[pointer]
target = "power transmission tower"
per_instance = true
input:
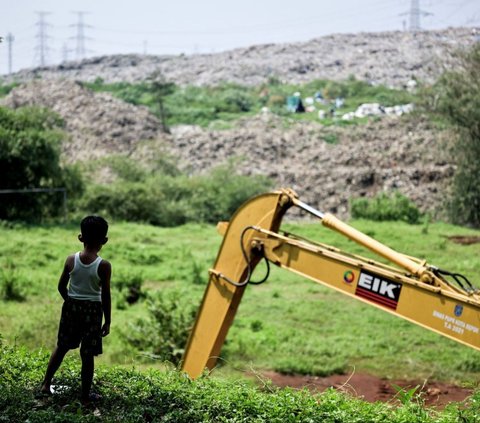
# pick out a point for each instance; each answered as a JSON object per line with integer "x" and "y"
{"x": 10, "y": 39}
{"x": 414, "y": 16}
{"x": 65, "y": 52}
{"x": 42, "y": 37}
{"x": 80, "y": 50}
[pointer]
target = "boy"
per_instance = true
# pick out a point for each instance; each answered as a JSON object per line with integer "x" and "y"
{"x": 87, "y": 297}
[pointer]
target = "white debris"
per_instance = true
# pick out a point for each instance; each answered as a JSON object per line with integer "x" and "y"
{"x": 376, "y": 109}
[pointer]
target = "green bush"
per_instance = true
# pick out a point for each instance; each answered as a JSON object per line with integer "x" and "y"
{"x": 130, "y": 286}
{"x": 455, "y": 99}
{"x": 385, "y": 207}
{"x": 6, "y": 88}
{"x": 173, "y": 199}
{"x": 164, "y": 334}
{"x": 9, "y": 283}
{"x": 30, "y": 141}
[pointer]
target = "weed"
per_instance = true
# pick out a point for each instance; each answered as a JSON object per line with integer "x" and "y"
{"x": 405, "y": 396}
{"x": 330, "y": 138}
{"x": 130, "y": 285}
{"x": 197, "y": 276}
{"x": 256, "y": 326}
{"x": 164, "y": 334}
{"x": 9, "y": 283}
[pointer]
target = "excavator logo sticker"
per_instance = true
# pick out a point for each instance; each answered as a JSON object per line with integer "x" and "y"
{"x": 458, "y": 310}
{"x": 378, "y": 290}
{"x": 348, "y": 276}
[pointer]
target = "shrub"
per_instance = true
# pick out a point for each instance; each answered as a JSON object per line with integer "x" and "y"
{"x": 164, "y": 334}
{"x": 456, "y": 99}
{"x": 385, "y": 207}
{"x": 9, "y": 281}
{"x": 130, "y": 285}
{"x": 30, "y": 141}
{"x": 168, "y": 198}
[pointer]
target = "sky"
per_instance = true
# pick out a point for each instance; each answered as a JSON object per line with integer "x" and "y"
{"x": 73, "y": 29}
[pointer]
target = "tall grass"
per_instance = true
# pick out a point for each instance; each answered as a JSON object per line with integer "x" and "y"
{"x": 288, "y": 324}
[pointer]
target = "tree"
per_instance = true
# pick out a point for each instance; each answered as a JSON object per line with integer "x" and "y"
{"x": 456, "y": 98}
{"x": 30, "y": 141}
{"x": 160, "y": 89}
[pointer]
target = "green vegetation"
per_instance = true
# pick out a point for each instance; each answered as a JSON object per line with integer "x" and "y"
{"x": 170, "y": 397}
{"x": 288, "y": 324}
{"x": 455, "y": 98}
{"x": 393, "y": 207}
{"x": 161, "y": 88}
{"x": 164, "y": 334}
{"x": 161, "y": 195}
{"x": 6, "y": 88}
{"x": 226, "y": 102}
{"x": 28, "y": 133}
{"x": 157, "y": 193}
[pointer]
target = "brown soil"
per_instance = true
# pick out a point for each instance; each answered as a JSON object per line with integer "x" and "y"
{"x": 464, "y": 239}
{"x": 372, "y": 389}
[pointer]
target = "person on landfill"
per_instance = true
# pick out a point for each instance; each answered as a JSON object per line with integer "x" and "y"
{"x": 85, "y": 287}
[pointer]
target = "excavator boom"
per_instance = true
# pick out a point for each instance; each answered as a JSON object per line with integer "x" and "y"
{"x": 409, "y": 288}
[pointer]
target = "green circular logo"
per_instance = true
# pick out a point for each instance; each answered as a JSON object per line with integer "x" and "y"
{"x": 348, "y": 276}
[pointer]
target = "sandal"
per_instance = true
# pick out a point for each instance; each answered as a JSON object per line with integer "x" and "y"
{"x": 92, "y": 397}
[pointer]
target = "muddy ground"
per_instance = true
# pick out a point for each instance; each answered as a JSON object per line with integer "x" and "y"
{"x": 371, "y": 388}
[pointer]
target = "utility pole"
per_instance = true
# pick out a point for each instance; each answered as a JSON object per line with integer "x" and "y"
{"x": 10, "y": 39}
{"x": 80, "y": 50}
{"x": 42, "y": 38}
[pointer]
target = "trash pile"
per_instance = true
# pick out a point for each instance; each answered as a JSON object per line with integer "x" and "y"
{"x": 388, "y": 58}
{"x": 376, "y": 109}
{"x": 332, "y": 108}
{"x": 327, "y": 165}
{"x": 97, "y": 123}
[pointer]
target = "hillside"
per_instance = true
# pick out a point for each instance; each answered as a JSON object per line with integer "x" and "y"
{"x": 390, "y": 58}
{"x": 327, "y": 165}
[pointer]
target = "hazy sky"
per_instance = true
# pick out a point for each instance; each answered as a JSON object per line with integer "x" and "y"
{"x": 202, "y": 26}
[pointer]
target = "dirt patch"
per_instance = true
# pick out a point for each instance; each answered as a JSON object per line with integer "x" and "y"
{"x": 371, "y": 388}
{"x": 464, "y": 239}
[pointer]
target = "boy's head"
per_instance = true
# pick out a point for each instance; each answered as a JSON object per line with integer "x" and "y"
{"x": 94, "y": 230}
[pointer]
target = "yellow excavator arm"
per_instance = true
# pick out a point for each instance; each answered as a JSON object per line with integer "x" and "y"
{"x": 409, "y": 288}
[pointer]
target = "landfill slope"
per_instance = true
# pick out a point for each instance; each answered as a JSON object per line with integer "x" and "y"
{"x": 326, "y": 165}
{"x": 390, "y": 58}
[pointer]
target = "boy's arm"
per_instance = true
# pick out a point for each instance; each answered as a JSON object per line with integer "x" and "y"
{"x": 105, "y": 273}
{"x": 65, "y": 277}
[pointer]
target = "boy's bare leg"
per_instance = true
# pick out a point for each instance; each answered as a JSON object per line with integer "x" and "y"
{"x": 56, "y": 359}
{"x": 88, "y": 364}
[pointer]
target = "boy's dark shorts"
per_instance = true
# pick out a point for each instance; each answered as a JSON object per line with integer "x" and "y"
{"x": 81, "y": 322}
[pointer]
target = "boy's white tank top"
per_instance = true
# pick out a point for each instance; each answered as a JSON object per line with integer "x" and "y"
{"x": 84, "y": 280}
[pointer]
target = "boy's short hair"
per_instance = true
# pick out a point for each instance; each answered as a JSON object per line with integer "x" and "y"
{"x": 94, "y": 229}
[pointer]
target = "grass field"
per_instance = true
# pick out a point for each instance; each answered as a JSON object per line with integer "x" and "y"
{"x": 288, "y": 324}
